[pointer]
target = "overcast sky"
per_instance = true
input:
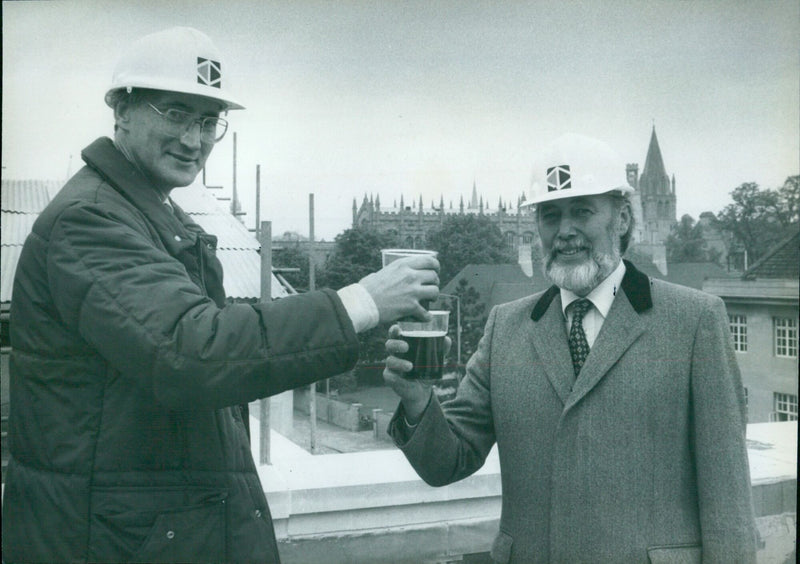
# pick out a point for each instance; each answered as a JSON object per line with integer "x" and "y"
{"x": 425, "y": 98}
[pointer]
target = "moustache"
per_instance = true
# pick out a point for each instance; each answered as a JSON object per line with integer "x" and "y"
{"x": 573, "y": 245}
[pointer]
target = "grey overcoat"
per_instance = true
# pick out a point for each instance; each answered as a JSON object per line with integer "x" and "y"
{"x": 642, "y": 459}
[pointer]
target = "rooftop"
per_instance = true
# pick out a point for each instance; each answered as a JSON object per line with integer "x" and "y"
{"x": 782, "y": 261}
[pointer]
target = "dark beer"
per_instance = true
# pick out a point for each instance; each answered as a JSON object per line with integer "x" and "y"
{"x": 426, "y": 352}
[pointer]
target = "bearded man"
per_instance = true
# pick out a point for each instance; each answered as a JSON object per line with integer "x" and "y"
{"x": 615, "y": 400}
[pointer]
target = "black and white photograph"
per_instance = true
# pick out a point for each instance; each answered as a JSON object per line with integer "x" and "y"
{"x": 384, "y": 282}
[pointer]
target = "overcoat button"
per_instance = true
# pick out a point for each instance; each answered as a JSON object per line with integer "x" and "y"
{"x": 258, "y": 514}
{"x": 170, "y": 535}
{"x": 177, "y": 238}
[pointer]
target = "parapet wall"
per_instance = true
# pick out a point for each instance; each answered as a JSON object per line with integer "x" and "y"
{"x": 371, "y": 508}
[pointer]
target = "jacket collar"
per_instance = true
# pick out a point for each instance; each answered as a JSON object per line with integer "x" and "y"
{"x": 118, "y": 171}
{"x": 635, "y": 284}
{"x": 176, "y": 229}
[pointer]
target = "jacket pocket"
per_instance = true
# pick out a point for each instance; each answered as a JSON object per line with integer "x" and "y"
{"x": 676, "y": 554}
{"x": 501, "y": 548}
{"x": 158, "y": 525}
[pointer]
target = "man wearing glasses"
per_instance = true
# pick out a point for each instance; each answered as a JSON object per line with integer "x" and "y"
{"x": 128, "y": 366}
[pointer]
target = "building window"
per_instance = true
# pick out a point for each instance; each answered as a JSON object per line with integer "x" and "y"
{"x": 785, "y": 407}
{"x": 785, "y": 332}
{"x": 738, "y": 324}
{"x": 511, "y": 240}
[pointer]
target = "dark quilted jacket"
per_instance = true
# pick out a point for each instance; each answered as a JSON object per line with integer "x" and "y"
{"x": 126, "y": 370}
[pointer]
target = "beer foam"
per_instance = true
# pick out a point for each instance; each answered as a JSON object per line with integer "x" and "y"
{"x": 423, "y": 334}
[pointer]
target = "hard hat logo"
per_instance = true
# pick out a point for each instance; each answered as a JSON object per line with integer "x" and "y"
{"x": 558, "y": 178}
{"x": 209, "y": 72}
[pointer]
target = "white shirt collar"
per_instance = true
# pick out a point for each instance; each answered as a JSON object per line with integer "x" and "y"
{"x": 603, "y": 294}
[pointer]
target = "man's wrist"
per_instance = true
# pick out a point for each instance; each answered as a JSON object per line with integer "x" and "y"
{"x": 413, "y": 411}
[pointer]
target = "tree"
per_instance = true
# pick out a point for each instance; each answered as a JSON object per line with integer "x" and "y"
{"x": 758, "y": 219}
{"x": 687, "y": 244}
{"x": 357, "y": 253}
{"x": 467, "y": 239}
{"x": 292, "y": 255}
{"x": 473, "y": 318}
{"x": 789, "y": 201}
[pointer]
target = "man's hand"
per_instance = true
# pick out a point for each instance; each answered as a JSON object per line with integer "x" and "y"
{"x": 413, "y": 393}
{"x": 399, "y": 287}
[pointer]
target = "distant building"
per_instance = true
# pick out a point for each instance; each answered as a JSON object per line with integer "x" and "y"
{"x": 763, "y": 313}
{"x": 654, "y": 204}
{"x": 410, "y": 224}
{"x": 319, "y": 250}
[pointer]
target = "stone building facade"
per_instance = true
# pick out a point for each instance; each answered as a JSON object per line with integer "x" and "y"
{"x": 411, "y": 223}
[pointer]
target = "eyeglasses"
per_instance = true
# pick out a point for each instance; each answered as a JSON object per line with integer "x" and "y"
{"x": 212, "y": 129}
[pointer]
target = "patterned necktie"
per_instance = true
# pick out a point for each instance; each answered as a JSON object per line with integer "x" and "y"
{"x": 578, "y": 346}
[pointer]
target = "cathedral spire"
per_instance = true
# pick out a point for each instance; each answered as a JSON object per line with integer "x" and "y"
{"x": 473, "y": 203}
{"x": 654, "y": 170}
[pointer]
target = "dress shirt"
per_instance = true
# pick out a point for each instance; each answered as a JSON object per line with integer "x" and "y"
{"x": 360, "y": 307}
{"x": 601, "y": 297}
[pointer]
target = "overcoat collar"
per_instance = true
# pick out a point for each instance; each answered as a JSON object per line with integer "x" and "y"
{"x": 635, "y": 284}
{"x": 620, "y": 329}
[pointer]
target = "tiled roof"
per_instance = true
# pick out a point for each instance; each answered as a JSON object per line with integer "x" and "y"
{"x": 22, "y": 200}
{"x": 782, "y": 261}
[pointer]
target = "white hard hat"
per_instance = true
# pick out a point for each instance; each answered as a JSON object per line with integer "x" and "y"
{"x": 179, "y": 59}
{"x": 575, "y": 165}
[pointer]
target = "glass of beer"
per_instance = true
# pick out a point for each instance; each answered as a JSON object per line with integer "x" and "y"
{"x": 425, "y": 346}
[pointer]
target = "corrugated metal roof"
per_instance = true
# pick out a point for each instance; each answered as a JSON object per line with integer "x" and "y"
{"x": 242, "y": 277}
{"x": 9, "y": 257}
{"x": 228, "y": 230}
{"x": 22, "y": 200}
{"x": 238, "y": 248}
{"x": 15, "y": 227}
{"x": 197, "y": 199}
{"x": 27, "y": 196}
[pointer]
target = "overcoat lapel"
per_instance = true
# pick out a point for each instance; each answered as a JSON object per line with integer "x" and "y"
{"x": 620, "y": 329}
{"x": 550, "y": 342}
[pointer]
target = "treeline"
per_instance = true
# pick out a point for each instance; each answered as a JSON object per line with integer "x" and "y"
{"x": 754, "y": 221}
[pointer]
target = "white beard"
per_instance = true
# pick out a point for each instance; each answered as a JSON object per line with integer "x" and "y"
{"x": 582, "y": 278}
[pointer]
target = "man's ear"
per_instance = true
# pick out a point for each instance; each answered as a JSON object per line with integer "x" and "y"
{"x": 624, "y": 219}
{"x": 122, "y": 114}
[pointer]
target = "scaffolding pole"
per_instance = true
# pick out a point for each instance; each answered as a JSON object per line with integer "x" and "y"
{"x": 265, "y": 239}
{"x": 312, "y": 390}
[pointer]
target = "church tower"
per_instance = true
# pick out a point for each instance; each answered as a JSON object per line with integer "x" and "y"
{"x": 657, "y": 195}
